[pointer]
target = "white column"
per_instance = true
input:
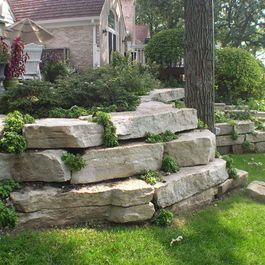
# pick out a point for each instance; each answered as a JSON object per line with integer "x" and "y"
{"x": 95, "y": 47}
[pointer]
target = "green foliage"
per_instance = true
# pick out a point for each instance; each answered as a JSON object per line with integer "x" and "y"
{"x": 110, "y": 138}
{"x": 12, "y": 142}
{"x": 202, "y": 125}
{"x": 166, "y": 48}
{"x": 6, "y": 187}
{"x": 179, "y": 104}
{"x": 102, "y": 87}
{"x": 73, "y": 112}
{"x": 221, "y": 117}
{"x": 258, "y": 104}
{"x": 232, "y": 172}
{"x": 74, "y": 162}
{"x": 167, "y": 136}
{"x": 53, "y": 70}
{"x": 169, "y": 164}
{"x": 234, "y": 134}
{"x": 238, "y": 76}
{"x": 151, "y": 177}
{"x": 164, "y": 218}
{"x": 248, "y": 147}
{"x": 8, "y": 216}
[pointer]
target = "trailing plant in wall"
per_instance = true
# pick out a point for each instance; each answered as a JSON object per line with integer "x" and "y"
{"x": 167, "y": 136}
{"x": 74, "y": 162}
{"x": 110, "y": 138}
{"x": 16, "y": 67}
{"x": 12, "y": 140}
{"x": 169, "y": 164}
{"x": 151, "y": 177}
{"x": 232, "y": 172}
{"x": 8, "y": 216}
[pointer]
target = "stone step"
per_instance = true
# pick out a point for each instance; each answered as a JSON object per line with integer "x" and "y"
{"x": 189, "y": 149}
{"x": 79, "y": 133}
{"x": 256, "y": 190}
{"x": 165, "y": 95}
{"x": 241, "y": 127}
{"x": 189, "y": 182}
{"x": 120, "y": 202}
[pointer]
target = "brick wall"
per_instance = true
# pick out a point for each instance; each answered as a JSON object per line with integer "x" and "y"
{"x": 79, "y": 40}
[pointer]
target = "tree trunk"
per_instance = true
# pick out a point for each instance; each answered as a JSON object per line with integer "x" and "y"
{"x": 199, "y": 58}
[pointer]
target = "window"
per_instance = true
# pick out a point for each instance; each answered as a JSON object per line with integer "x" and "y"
{"x": 111, "y": 20}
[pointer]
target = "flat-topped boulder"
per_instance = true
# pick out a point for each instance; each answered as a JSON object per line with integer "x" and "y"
{"x": 63, "y": 133}
{"x": 44, "y": 166}
{"x": 165, "y": 95}
{"x": 79, "y": 215}
{"x": 124, "y": 193}
{"x": 227, "y": 140}
{"x": 256, "y": 137}
{"x": 241, "y": 127}
{"x": 188, "y": 182}
{"x": 192, "y": 148}
{"x": 119, "y": 162}
{"x": 256, "y": 190}
{"x": 133, "y": 125}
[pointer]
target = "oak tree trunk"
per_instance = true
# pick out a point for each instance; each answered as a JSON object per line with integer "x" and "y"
{"x": 199, "y": 58}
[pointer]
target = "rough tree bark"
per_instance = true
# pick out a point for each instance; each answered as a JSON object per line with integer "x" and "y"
{"x": 199, "y": 58}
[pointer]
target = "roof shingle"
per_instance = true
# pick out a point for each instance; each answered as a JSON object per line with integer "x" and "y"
{"x": 55, "y": 9}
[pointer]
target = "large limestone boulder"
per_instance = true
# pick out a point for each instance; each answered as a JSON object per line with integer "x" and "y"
{"x": 241, "y": 127}
{"x": 188, "y": 182}
{"x": 226, "y": 140}
{"x": 133, "y": 125}
{"x": 125, "y": 193}
{"x": 256, "y": 137}
{"x": 79, "y": 215}
{"x": 63, "y": 133}
{"x": 256, "y": 190}
{"x": 193, "y": 148}
{"x": 44, "y": 166}
{"x": 119, "y": 162}
{"x": 5, "y": 169}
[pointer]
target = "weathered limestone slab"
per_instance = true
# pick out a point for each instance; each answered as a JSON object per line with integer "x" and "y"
{"x": 195, "y": 202}
{"x": 226, "y": 140}
{"x": 168, "y": 94}
{"x": 260, "y": 147}
{"x": 231, "y": 184}
{"x": 5, "y": 170}
{"x": 119, "y": 162}
{"x": 133, "y": 125}
{"x": 44, "y": 166}
{"x": 125, "y": 193}
{"x": 192, "y": 148}
{"x": 242, "y": 127}
{"x": 63, "y": 133}
{"x": 256, "y": 137}
{"x": 256, "y": 190}
{"x": 238, "y": 149}
{"x": 79, "y": 215}
{"x": 224, "y": 150}
{"x": 219, "y": 106}
{"x": 188, "y": 182}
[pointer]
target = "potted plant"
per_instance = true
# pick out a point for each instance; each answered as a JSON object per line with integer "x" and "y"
{"x": 4, "y": 57}
{"x": 16, "y": 67}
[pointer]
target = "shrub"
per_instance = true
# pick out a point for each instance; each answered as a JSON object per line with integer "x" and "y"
{"x": 151, "y": 177}
{"x": 201, "y": 125}
{"x": 167, "y": 136}
{"x": 8, "y": 216}
{"x": 232, "y": 172}
{"x": 110, "y": 139}
{"x": 166, "y": 48}
{"x": 169, "y": 164}
{"x": 238, "y": 76}
{"x": 12, "y": 142}
{"x": 164, "y": 218}
{"x": 74, "y": 162}
{"x": 53, "y": 70}
{"x": 4, "y": 51}
{"x": 73, "y": 112}
{"x": 221, "y": 117}
{"x": 6, "y": 187}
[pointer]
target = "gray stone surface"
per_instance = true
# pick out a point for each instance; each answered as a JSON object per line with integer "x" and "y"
{"x": 227, "y": 140}
{"x": 256, "y": 137}
{"x": 238, "y": 149}
{"x": 79, "y": 215}
{"x": 256, "y": 190}
{"x": 5, "y": 169}
{"x": 195, "y": 202}
{"x": 188, "y": 182}
{"x": 260, "y": 147}
{"x": 63, "y": 133}
{"x": 133, "y": 125}
{"x": 168, "y": 94}
{"x": 193, "y": 148}
{"x": 125, "y": 193}
{"x": 119, "y": 162}
{"x": 224, "y": 150}
{"x": 44, "y": 166}
{"x": 242, "y": 127}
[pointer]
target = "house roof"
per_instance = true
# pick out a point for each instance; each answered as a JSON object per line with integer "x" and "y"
{"x": 141, "y": 33}
{"x": 55, "y": 9}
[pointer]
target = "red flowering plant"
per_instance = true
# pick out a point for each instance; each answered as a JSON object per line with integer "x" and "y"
{"x": 4, "y": 51}
{"x": 16, "y": 67}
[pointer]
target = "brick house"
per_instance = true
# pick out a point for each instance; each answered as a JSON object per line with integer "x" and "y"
{"x": 89, "y": 29}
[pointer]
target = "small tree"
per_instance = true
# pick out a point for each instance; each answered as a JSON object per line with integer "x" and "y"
{"x": 16, "y": 67}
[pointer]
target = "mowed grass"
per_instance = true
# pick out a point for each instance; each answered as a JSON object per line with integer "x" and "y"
{"x": 230, "y": 232}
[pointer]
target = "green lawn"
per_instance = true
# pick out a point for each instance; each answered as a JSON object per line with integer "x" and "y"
{"x": 230, "y": 232}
